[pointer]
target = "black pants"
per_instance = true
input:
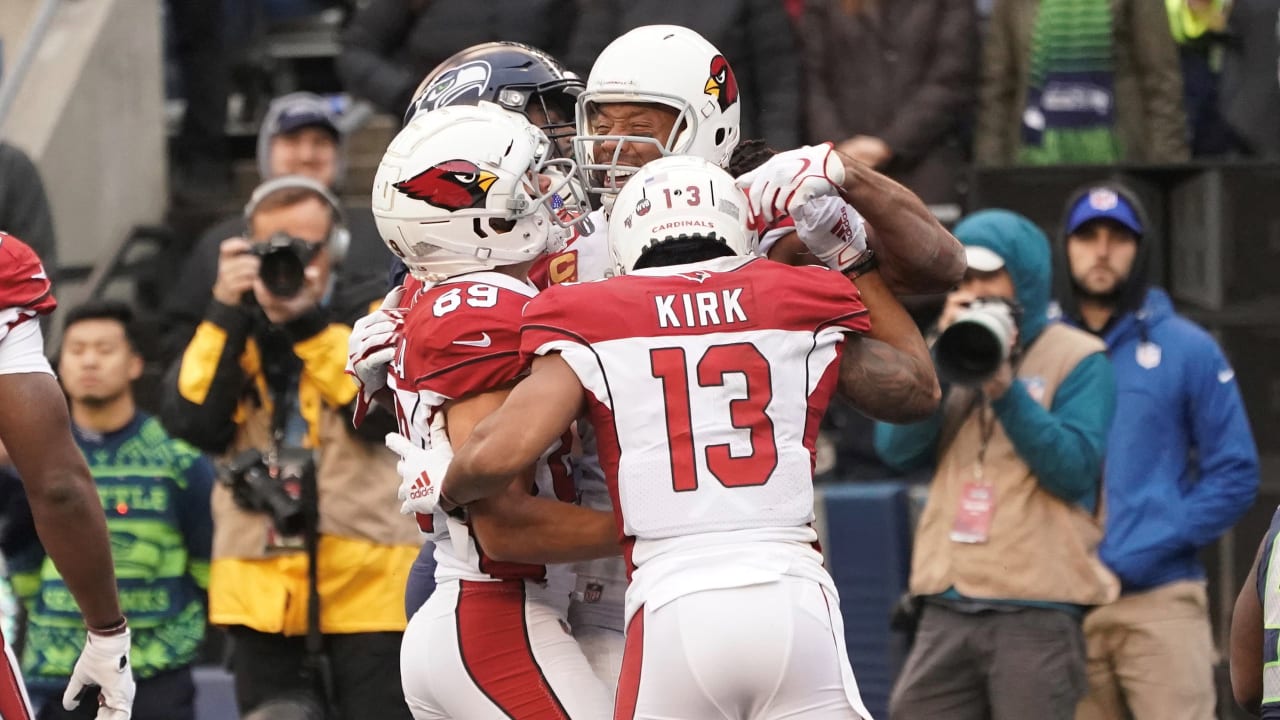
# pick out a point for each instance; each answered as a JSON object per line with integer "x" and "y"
{"x": 168, "y": 696}
{"x": 366, "y": 672}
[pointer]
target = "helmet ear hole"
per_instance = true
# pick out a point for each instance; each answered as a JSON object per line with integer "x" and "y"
{"x": 721, "y": 134}
{"x": 502, "y": 225}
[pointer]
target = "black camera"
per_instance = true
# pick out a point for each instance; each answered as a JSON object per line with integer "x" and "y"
{"x": 284, "y": 261}
{"x": 273, "y": 484}
{"x": 972, "y": 349}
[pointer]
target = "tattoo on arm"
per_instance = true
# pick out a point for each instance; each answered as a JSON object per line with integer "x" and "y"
{"x": 888, "y": 384}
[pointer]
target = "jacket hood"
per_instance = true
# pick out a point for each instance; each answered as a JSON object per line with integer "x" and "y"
{"x": 1025, "y": 251}
{"x": 1138, "y": 325}
{"x": 1133, "y": 291}
{"x": 319, "y": 112}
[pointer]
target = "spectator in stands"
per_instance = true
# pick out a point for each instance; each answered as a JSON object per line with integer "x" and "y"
{"x": 1080, "y": 82}
{"x": 155, "y": 492}
{"x": 390, "y": 45}
{"x": 756, "y": 36}
{"x": 1197, "y": 27}
{"x": 903, "y": 111}
{"x": 299, "y": 135}
{"x": 200, "y": 153}
{"x": 24, "y": 207}
{"x": 1181, "y": 467}
{"x": 264, "y": 370}
{"x": 1250, "y": 96}
{"x": 1005, "y": 553}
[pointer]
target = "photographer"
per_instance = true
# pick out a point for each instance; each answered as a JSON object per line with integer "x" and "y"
{"x": 264, "y": 371}
{"x": 1005, "y": 557}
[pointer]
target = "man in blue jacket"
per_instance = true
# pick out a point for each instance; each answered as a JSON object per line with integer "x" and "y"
{"x": 1005, "y": 553}
{"x": 1181, "y": 468}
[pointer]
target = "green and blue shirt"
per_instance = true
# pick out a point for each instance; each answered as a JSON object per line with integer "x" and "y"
{"x": 155, "y": 491}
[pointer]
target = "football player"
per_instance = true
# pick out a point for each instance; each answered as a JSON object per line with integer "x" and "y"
{"x": 462, "y": 199}
{"x": 36, "y": 432}
{"x": 704, "y": 370}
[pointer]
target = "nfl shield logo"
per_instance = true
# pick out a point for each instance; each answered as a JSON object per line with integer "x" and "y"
{"x": 593, "y": 593}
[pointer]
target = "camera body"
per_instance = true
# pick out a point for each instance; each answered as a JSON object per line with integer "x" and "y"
{"x": 273, "y": 484}
{"x": 980, "y": 339}
{"x": 284, "y": 262}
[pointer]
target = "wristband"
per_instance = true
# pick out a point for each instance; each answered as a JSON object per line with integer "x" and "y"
{"x": 865, "y": 263}
{"x": 115, "y": 628}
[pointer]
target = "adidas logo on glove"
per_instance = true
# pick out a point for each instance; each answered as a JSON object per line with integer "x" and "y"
{"x": 422, "y": 488}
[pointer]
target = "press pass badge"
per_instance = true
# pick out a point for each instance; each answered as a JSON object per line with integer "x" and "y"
{"x": 973, "y": 514}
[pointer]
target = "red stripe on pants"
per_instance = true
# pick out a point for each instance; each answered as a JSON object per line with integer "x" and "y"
{"x": 494, "y": 644}
{"x": 624, "y": 706}
{"x": 12, "y": 704}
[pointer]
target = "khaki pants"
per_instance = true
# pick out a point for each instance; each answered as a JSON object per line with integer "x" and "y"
{"x": 1151, "y": 655}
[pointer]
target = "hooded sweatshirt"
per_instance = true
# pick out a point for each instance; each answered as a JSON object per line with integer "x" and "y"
{"x": 1182, "y": 465}
{"x": 1062, "y": 445}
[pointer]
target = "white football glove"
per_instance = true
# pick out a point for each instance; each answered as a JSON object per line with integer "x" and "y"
{"x": 421, "y": 473}
{"x": 104, "y": 662}
{"x": 792, "y": 178}
{"x": 371, "y": 347}
{"x": 832, "y": 230}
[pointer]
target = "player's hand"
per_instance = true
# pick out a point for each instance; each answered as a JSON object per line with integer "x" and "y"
{"x": 832, "y": 230}
{"x": 237, "y": 269}
{"x": 104, "y": 662}
{"x": 421, "y": 473}
{"x": 792, "y": 178}
{"x": 371, "y": 348}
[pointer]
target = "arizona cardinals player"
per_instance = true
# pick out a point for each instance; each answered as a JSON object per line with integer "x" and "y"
{"x": 704, "y": 370}
{"x": 521, "y": 79}
{"x": 460, "y": 197}
{"x": 36, "y": 432}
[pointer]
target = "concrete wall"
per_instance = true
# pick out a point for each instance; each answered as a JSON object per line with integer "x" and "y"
{"x": 91, "y": 115}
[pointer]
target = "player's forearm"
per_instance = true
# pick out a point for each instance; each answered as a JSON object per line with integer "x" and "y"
{"x": 917, "y": 255}
{"x": 539, "y": 530}
{"x": 887, "y": 384}
{"x": 69, "y": 519}
{"x": 484, "y": 465}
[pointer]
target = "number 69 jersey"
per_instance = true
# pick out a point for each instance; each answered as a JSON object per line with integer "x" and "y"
{"x": 461, "y": 337}
{"x": 705, "y": 384}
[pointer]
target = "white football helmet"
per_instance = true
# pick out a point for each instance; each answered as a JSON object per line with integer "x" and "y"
{"x": 674, "y": 196}
{"x": 668, "y": 65}
{"x": 458, "y": 191}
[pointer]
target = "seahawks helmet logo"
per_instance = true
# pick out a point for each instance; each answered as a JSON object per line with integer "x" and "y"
{"x": 454, "y": 85}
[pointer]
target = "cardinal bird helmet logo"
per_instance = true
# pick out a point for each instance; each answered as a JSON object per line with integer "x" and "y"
{"x": 451, "y": 185}
{"x": 722, "y": 85}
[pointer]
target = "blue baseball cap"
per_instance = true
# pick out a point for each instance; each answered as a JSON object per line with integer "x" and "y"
{"x": 1103, "y": 203}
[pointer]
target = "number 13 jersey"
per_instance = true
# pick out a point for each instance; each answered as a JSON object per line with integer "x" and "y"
{"x": 706, "y": 384}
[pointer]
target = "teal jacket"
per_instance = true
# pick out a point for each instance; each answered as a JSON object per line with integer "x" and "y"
{"x": 1063, "y": 445}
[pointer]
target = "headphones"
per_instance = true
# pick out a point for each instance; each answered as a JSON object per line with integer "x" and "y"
{"x": 339, "y": 240}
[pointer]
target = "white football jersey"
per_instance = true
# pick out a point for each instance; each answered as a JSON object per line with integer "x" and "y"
{"x": 706, "y": 384}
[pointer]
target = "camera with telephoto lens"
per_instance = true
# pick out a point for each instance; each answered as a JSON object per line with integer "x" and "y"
{"x": 272, "y": 484}
{"x": 284, "y": 262}
{"x": 980, "y": 339}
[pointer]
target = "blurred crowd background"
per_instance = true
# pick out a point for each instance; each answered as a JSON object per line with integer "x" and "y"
{"x": 133, "y": 131}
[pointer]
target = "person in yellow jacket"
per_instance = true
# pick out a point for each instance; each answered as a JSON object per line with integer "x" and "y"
{"x": 265, "y": 371}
